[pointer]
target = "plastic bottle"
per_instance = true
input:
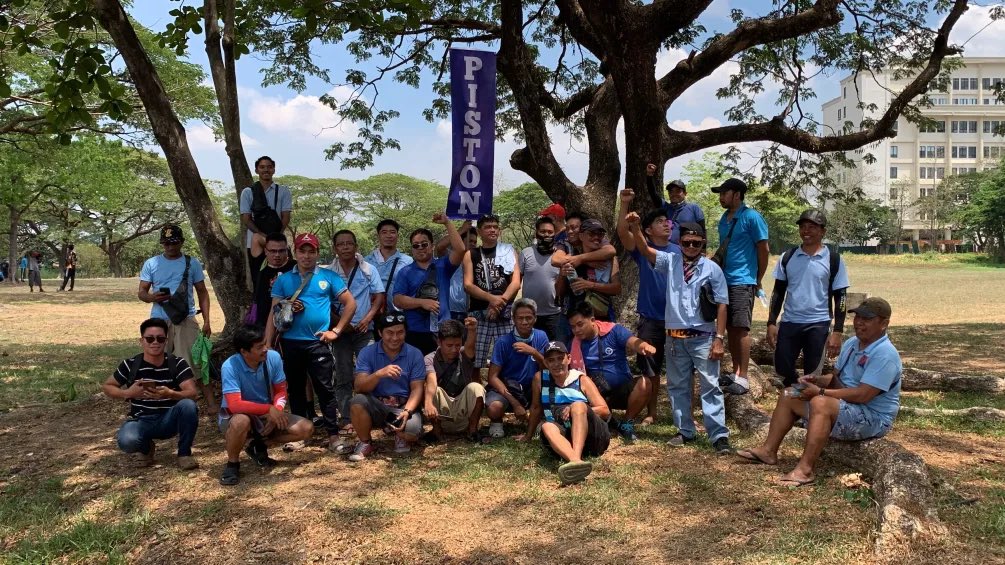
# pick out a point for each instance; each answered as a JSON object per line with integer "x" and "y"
{"x": 571, "y": 278}
{"x": 794, "y": 391}
{"x": 762, "y": 297}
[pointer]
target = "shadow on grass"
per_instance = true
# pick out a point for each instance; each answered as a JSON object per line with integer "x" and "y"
{"x": 956, "y": 348}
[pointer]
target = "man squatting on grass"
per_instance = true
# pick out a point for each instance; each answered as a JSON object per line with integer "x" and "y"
{"x": 859, "y": 401}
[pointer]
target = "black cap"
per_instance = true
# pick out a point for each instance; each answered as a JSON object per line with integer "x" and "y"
{"x": 677, "y": 183}
{"x": 873, "y": 307}
{"x": 385, "y": 321}
{"x": 689, "y": 228}
{"x": 734, "y": 184}
{"x": 813, "y": 215}
{"x": 554, "y": 346}
{"x": 592, "y": 225}
{"x": 171, "y": 233}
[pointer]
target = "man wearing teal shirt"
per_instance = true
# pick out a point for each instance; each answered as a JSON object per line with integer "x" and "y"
{"x": 305, "y": 344}
{"x": 743, "y": 257}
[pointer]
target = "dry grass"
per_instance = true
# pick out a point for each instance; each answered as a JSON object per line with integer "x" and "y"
{"x": 68, "y": 495}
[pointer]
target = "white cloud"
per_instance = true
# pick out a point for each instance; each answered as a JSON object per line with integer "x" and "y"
{"x": 686, "y": 125}
{"x": 979, "y": 31}
{"x": 444, "y": 128}
{"x": 201, "y": 137}
{"x": 299, "y": 117}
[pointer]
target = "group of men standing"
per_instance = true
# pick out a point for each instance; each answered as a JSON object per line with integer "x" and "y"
{"x": 470, "y": 326}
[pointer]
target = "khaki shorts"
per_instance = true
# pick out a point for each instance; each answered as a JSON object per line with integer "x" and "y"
{"x": 454, "y": 412}
{"x": 181, "y": 338}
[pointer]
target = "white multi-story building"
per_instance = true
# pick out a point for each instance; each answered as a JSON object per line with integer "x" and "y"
{"x": 965, "y": 137}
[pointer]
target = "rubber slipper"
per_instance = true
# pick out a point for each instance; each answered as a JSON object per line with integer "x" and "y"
{"x": 796, "y": 483}
{"x": 752, "y": 457}
{"x": 570, "y": 473}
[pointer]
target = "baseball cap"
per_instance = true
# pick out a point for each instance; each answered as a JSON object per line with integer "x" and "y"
{"x": 592, "y": 225}
{"x": 688, "y": 228}
{"x": 171, "y": 233}
{"x": 873, "y": 307}
{"x": 813, "y": 215}
{"x": 306, "y": 239}
{"x": 554, "y": 211}
{"x": 554, "y": 346}
{"x": 734, "y": 184}
{"x": 677, "y": 183}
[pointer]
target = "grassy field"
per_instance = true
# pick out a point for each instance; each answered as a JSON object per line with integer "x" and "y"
{"x": 67, "y": 495}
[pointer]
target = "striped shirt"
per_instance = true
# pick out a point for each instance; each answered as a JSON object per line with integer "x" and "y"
{"x": 153, "y": 407}
{"x": 571, "y": 391}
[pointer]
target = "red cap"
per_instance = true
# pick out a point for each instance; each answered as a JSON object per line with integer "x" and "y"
{"x": 306, "y": 239}
{"x": 553, "y": 211}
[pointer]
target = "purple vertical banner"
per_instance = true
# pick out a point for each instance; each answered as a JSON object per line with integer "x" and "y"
{"x": 473, "y": 109}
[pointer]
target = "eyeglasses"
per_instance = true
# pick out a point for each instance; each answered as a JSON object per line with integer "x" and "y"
{"x": 392, "y": 319}
{"x": 157, "y": 338}
{"x": 421, "y": 245}
{"x": 692, "y": 243}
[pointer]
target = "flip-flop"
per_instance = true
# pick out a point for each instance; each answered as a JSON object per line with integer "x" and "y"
{"x": 796, "y": 483}
{"x": 752, "y": 457}
{"x": 570, "y": 473}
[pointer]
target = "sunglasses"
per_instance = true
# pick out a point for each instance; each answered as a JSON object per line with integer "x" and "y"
{"x": 157, "y": 338}
{"x": 421, "y": 245}
{"x": 392, "y": 319}
{"x": 692, "y": 243}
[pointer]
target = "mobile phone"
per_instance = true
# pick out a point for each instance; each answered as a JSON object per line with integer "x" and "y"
{"x": 393, "y": 419}
{"x": 164, "y": 290}
{"x": 148, "y": 383}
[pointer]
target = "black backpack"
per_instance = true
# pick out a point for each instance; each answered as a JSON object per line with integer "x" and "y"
{"x": 834, "y": 266}
{"x": 266, "y": 218}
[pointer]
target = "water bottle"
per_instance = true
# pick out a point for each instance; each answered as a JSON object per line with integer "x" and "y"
{"x": 762, "y": 297}
{"x": 571, "y": 278}
{"x": 795, "y": 391}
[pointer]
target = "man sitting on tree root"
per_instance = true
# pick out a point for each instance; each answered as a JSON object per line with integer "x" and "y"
{"x": 860, "y": 401}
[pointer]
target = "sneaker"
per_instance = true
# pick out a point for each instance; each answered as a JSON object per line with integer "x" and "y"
{"x": 231, "y": 474}
{"x": 679, "y": 440}
{"x": 570, "y": 473}
{"x": 318, "y": 421}
{"x": 496, "y": 430}
{"x": 400, "y": 445}
{"x": 340, "y": 444}
{"x": 734, "y": 384}
{"x": 362, "y": 451}
{"x": 145, "y": 459}
{"x": 294, "y": 446}
{"x": 258, "y": 453}
{"x": 187, "y": 463}
{"x": 627, "y": 431}
{"x": 722, "y": 447}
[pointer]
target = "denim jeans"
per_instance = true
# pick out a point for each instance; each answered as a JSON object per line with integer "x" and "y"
{"x": 345, "y": 349}
{"x": 181, "y": 420}
{"x": 683, "y": 356}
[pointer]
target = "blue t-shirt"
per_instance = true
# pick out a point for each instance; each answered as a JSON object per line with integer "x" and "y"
{"x": 652, "y": 298}
{"x": 318, "y": 296}
{"x": 363, "y": 285}
{"x": 384, "y": 267}
{"x": 807, "y": 295}
{"x": 614, "y": 365}
{"x": 683, "y": 306}
{"x": 412, "y": 277}
{"x": 162, "y": 272}
{"x": 680, "y": 213}
{"x": 237, "y": 376}
{"x": 878, "y": 365}
{"x": 24, "y": 263}
{"x": 741, "y": 255}
{"x": 514, "y": 367}
{"x": 413, "y": 368}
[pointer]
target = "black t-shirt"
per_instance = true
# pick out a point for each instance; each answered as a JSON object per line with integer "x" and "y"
{"x": 263, "y": 289}
{"x": 492, "y": 280}
{"x": 145, "y": 407}
{"x": 451, "y": 377}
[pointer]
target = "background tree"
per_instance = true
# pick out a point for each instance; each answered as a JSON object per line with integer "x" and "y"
{"x": 517, "y": 209}
{"x": 856, "y": 222}
{"x": 981, "y": 215}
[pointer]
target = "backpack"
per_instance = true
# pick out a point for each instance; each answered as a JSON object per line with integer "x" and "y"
{"x": 137, "y": 360}
{"x": 266, "y": 218}
{"x": 177, "y": 307}
{"x": 835, "y": 264}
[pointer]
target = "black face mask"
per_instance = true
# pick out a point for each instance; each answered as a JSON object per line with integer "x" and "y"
{"x": 545, "y": 245}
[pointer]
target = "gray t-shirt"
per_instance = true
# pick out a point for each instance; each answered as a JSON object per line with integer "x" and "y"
{"x": 278, "y": 197}
{"x": 451, "y": 377}
{"x": 539, "y": 280}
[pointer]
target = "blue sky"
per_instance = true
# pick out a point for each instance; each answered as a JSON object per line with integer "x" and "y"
{"x": 295, "y": 128}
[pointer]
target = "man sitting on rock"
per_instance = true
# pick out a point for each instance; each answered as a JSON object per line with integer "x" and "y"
{"x": 860, "y": 401}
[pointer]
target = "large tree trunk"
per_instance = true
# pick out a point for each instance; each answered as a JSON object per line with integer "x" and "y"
{"x": 222, "y": 67}
{"x": 224, "y": 261}
{"x": 115, "y": 261}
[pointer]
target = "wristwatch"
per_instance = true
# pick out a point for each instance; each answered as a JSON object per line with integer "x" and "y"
{"x": 720, "y": 336}
{"x": 823, "y": 392}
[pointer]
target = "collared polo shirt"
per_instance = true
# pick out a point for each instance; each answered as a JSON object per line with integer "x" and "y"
{"x": 412, "y": 277}
{"x": 384, "y": 266}
{"x": 413, "y": 368}
{"x": 683, "y": 307}
{"x": 362, "y": 287}
{"x": 237, "y": 376}
{"x": 879, "y": 366}
{"x": 807, "y": 295}
{"x": 652, "y": 297}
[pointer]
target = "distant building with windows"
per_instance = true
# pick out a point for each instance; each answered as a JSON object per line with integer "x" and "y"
{"x": 966, "y": 135}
